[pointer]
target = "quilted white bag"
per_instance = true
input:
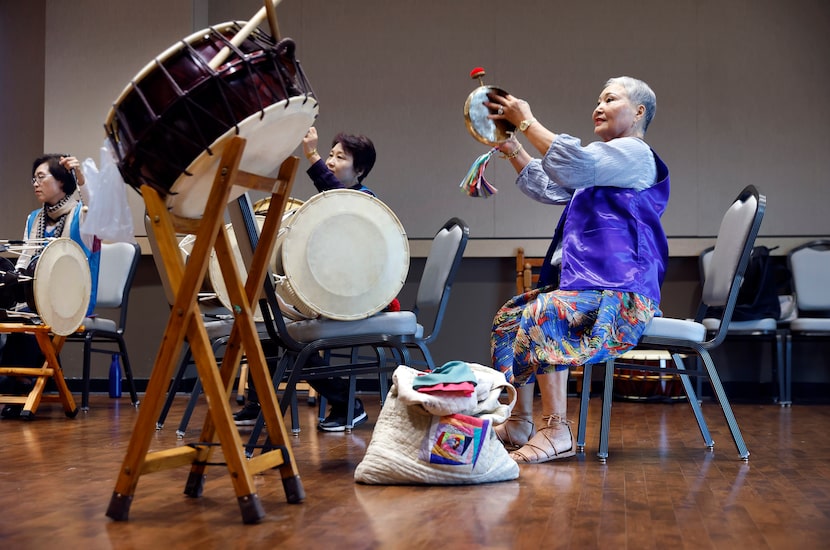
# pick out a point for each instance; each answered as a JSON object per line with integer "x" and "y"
{"x": 423, "y": 438}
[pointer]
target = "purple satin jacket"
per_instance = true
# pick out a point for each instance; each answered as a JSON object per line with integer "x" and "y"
{"x": 612, "y": 239}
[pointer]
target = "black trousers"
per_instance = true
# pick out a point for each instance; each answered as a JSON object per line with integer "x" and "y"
{"x": 20, "y": 350}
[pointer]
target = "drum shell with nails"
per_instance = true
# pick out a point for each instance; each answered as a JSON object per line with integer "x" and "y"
{"x": 170, "y": 125}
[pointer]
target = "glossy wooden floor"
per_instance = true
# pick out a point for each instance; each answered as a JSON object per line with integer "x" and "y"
{"x": 659, "y": 489}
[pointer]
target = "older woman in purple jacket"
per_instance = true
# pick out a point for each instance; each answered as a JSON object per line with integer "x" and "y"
{"x": 610, "y": 250}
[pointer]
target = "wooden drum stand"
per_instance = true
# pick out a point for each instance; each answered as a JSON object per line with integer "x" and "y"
{"x": 186, "y": 321}
{"x": 50, "y": 345}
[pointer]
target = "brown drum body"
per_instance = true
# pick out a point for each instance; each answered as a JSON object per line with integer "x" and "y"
{"x": 178, "y": 109}
{"x": 636, "y": 385}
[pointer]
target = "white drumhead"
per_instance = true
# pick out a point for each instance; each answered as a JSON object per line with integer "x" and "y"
{"x": 270, "y": 140}
{"x": 62, "y": 285}
{"x": 345, "y": 254}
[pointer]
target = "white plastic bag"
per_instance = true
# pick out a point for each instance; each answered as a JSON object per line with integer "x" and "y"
{"x": 109, "y": 217}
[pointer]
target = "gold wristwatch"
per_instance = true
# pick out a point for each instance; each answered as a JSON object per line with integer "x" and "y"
{"x": 525, "y": 124}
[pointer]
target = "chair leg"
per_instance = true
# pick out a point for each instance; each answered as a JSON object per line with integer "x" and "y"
{"x": 605, "y": 423}
{"x": 383, "y": 379}
{"x": 174, "y": 387}
{"x": 583, "y": 407}
{"x": 783, "y": 368}
{"x": 694, "y": 402}
{"x": 714, "y": 379}
{"x": 350, "y": 406}
{"x": 279, "y": 375}
{"x": 321, "y": 408}
{"x": 427, "y": 356}
{"x": 295, "y": 415}
{"x": 355, "y": 357}
{"x": 788, "y": 358}
{"x": 191, "y": 406}
{"x": 128, "y": 370}
{"x": 87, "y": 375}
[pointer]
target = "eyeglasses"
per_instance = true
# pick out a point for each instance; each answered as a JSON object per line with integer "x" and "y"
{"x": 40, "y": 178}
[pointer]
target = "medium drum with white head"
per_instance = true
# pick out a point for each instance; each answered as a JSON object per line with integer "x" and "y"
{"x": 56, "y": 286}
{"x": 345, "y": 256}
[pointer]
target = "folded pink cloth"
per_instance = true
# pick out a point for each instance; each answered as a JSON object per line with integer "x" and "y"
{"x": 460, "y": 388}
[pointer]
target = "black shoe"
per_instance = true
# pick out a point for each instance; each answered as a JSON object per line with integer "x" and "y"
{"x": 336, "y": 420}
{"x": 247, "y": 415}
{"x": 11, "y": 411}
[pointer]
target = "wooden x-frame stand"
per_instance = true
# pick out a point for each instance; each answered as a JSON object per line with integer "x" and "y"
{"x": 186, "y": 321}
{"x": 50, "y": 345}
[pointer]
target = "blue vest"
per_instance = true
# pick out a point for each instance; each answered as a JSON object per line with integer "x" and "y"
{"x": 612, "y": 239}
{"x": 93, "y": 256}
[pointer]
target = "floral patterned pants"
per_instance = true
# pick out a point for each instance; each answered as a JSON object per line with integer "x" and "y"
{"x": 548, "y": 329}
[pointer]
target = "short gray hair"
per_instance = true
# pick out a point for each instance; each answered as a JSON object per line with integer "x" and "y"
{"x": 639, "y": 93}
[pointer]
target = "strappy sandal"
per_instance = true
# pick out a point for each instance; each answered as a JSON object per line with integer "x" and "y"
{"x": 548, "y": 443}
{"x": 511, "y": 440}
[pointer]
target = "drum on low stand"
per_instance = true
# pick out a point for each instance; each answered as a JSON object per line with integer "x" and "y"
{"x": 170, "y": 125}
{"x": 55, "y": 287}
{"x": 343, "y": 255}
{"x": 636, "y": 385}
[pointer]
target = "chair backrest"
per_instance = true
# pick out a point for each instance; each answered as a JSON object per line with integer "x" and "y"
{"x": 119, "y": 262}
{"x": 527, "y": 271}
{"x": 730, "y": 256}
{"x": 810, "y": 267}
{"x": 440, "y": 269}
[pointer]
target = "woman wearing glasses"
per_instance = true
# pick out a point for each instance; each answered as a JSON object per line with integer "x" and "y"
{"x": 58, "y": 183}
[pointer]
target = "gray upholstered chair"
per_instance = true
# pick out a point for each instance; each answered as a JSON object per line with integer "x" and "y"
{"x": 765, "y": 331}
{"x": 687, "y": 339}
{"x": 118, "y": 265}
{"x": 809, "y": 264}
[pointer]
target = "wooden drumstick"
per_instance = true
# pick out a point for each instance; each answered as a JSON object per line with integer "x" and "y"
{"x": 243, "y": 33}
{"x": 271, "y": 10}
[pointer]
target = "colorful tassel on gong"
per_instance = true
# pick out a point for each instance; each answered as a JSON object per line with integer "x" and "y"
{"x": 474, "y": 183}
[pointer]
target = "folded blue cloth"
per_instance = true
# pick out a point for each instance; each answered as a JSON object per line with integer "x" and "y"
{"x": 454, "y": 372}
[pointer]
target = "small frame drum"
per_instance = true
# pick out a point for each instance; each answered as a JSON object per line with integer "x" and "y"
{"x": 487, "y": 131}
{"x": 170, "y": 125}
{"x": 57, "y": 286}
{"x": 345, "y": 256}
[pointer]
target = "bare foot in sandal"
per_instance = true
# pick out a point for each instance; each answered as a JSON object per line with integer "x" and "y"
{"x": 515, "y": 432}
{"x": 551, "y": 442}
